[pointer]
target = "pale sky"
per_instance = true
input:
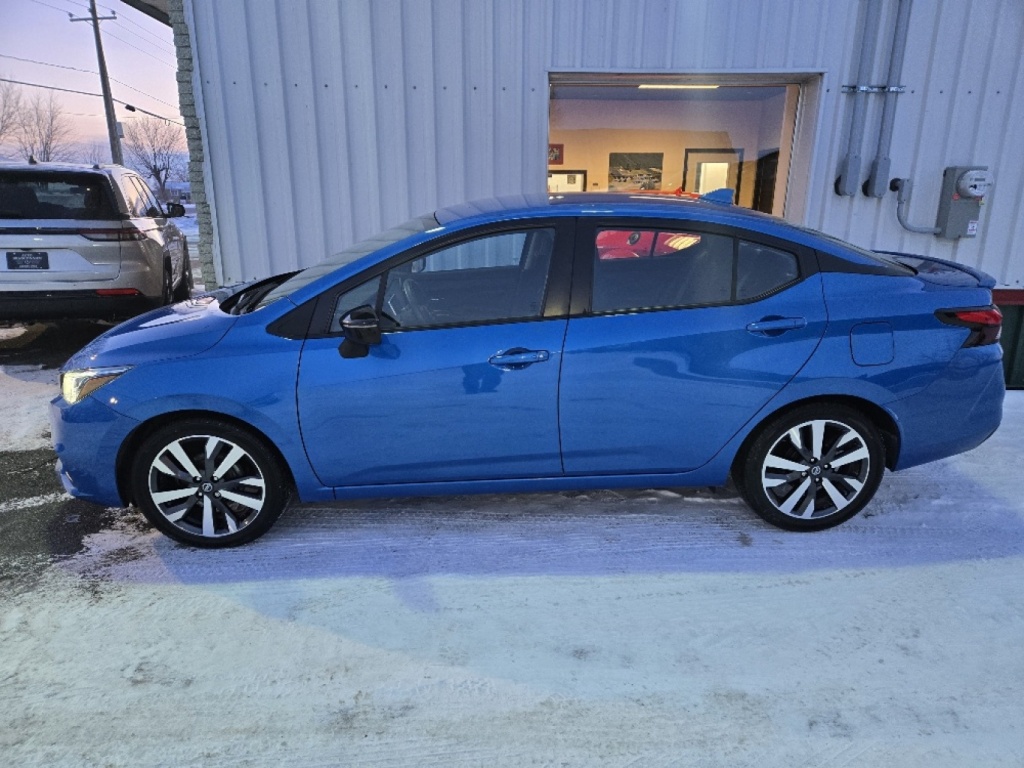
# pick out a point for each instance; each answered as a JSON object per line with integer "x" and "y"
{"x": 139, "y": 53}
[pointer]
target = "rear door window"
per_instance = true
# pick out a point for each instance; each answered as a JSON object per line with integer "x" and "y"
{"x": 133, "y": 197}
{"x": 643, "y": 269}
{"x": 147, "y": 202}
{"x": 652, "y": 269}
{"x": 55, "y": 195}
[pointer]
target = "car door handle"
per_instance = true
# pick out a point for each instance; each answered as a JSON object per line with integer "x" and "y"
{"x": 773, "y": 326}
{"x": 513, "y": 359}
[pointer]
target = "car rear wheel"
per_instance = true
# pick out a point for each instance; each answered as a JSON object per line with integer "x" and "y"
{"x": 184, "y": 290}
{"x": 167, "y": 289}
{"x": 208, "y": 483}
{"x": 812, "y": 468}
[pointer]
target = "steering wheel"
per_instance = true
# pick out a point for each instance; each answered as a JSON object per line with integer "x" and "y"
{"x": 407, "y": 304}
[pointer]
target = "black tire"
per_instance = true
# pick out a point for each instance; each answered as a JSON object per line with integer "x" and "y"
{"x": 167, "y": 289}
{"x": 812, "y": 468}
{"x": 184, "y": 290}
{"x": 175, "y": 483}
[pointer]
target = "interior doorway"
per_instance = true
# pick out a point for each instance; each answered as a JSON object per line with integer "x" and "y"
{"x": 567, "y": 181}
{"x": 671, "y": 135}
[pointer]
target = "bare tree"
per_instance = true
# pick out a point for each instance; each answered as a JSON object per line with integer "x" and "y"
{"x": 10, "y": 110}
{"x": 94, "y": 153}
{"x": 155, "y": 149}
{"x": 44, "y": 131}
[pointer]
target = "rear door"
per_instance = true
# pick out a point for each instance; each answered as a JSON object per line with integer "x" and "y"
{"x": 684, "y": 332}
{"x": 148, "y": 217}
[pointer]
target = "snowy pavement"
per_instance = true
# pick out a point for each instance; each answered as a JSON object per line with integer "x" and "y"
{"x": 652, "y": 628}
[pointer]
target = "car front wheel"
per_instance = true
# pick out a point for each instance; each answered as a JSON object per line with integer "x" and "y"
{"x": 208, "y": 483}
{"x": 812, "y": 468}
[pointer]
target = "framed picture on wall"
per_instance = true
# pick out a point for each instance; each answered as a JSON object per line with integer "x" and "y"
{"x": 705, "y": 170}
{"x": 556, "y": 154}
{"x": 634, "y": 171}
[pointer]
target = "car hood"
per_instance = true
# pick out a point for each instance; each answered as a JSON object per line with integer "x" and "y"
{"x": 943, "y": 272}
{"x": 180, "y": 330}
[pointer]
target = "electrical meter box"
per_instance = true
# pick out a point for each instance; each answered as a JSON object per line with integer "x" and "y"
{"x": 963, "y": 192}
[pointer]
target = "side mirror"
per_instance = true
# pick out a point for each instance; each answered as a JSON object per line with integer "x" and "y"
{"x": 175, "y": 210}
{"x": 361, "y": 327}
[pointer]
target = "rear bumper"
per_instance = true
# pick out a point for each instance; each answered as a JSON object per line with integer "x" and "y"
{"x": 955, "y": 413}
{"x": 58, "y": 305}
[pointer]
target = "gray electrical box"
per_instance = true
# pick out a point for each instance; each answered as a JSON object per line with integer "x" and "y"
{"x": 963, "y": 192}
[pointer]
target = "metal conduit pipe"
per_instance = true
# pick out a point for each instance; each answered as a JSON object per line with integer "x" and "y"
{"x": 878, "y": 182}
{"x": 849, "y": 169}
{"x": 902, "y": 189}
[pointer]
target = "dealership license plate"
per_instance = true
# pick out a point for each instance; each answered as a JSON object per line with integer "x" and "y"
{"x": 32, "y": 260}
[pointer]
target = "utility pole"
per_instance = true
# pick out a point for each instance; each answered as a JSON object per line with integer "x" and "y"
{"x": 108, "y": 100}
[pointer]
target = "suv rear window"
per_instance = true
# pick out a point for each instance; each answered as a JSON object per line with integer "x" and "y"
{"x": 55, "y": 195}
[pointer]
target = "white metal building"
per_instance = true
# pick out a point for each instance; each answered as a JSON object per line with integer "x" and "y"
{"x": 314, "y": 123}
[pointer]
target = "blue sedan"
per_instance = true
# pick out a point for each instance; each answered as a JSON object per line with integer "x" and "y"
{"x": 540, "y": 343}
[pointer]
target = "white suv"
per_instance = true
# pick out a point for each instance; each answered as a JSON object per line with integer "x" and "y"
{"x": 86, "y": 241}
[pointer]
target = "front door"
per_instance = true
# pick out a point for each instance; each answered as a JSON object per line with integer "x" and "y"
{"x": 463, "y": 385}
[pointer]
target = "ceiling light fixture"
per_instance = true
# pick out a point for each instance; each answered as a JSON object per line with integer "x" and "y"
{"x": 668, "y": 87}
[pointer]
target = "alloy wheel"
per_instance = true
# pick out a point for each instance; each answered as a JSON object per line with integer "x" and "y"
{"x": 206, "y": 485}
{"x": 816, "y": 469}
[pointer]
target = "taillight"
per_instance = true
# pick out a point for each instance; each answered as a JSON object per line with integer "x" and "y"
{"x": 118, "y": 292}
{"x": 985, "y": 323}
{"x": 113, "y": 235}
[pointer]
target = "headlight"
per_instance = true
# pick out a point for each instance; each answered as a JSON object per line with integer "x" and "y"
{"x": 74, "y": 385}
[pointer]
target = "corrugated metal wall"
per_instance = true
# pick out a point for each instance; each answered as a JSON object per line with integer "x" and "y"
{"x": 326, "y": 120}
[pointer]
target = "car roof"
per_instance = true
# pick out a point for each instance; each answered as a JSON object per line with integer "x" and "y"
{"x": 106, "y": 168}
{"x": 614, "y": 204}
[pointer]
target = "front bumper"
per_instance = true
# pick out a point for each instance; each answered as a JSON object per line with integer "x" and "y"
{"x": 88, "y": 437}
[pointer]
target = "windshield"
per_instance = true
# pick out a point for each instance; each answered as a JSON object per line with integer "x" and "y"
{"x": 301, "y": 279}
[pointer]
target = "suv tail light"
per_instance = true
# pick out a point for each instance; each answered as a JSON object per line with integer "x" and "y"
{"x": 985, "y": 323}
{"x": 113, "y": 235}
{"x": 118, "y": 292}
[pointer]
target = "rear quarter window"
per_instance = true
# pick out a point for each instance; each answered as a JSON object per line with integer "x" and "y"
{"x": 761, "y": 269}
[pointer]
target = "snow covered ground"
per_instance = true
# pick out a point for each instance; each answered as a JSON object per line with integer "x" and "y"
{"x": 651, "y": 628}
{"x": 26, "y": 393}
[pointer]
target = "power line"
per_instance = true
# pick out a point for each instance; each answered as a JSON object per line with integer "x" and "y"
{"x": 140, "y": 50}
{"x": 125, "y": 104}
{"x": 47, "y": 64}
{"x": 89, "y": 72}
{"x": 149, "y": 39}
{"x": 130, "y": 45}
{"x": 62, "y": 10}
{"x": 48, "y": 87}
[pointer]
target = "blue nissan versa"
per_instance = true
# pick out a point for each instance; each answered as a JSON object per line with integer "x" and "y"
{"x": 537, "y": 343}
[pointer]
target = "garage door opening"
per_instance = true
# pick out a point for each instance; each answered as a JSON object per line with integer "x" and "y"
{"x": 658, "y": 135}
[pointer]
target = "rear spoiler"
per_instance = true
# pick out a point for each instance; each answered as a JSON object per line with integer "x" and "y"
{"x": 928, "y": 264}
